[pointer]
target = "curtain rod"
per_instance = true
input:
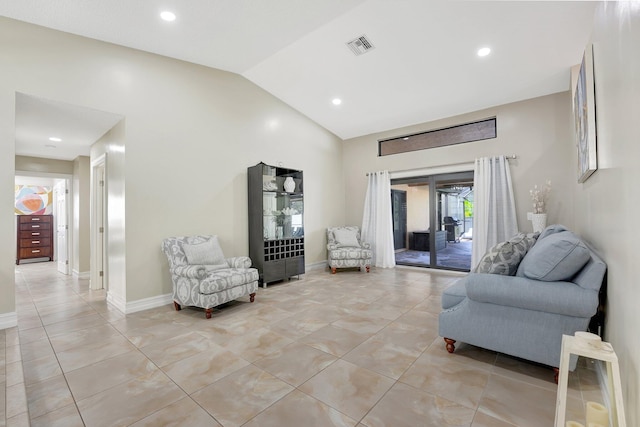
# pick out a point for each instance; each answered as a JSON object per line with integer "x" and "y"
{"x": 430, "y": 168}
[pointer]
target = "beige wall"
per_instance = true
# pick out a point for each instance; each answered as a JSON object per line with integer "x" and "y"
{"x": 538, "y": 131}
{"x": 40, "y": 165}
{"x": 607, "y": 204}
{"x": 81, "y": 214}
{"x": 190, "y": 133}
{"x": 8, "y": 316}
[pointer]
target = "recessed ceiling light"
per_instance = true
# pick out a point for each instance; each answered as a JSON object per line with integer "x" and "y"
{"x": 168, "y": 16}
{"x": 484, "y": 51}
{"x": 336, "y": 101}
{"x": 55, "y": 139}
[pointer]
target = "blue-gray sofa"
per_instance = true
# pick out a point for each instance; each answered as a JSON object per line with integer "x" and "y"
{"x": 540, "y": 290}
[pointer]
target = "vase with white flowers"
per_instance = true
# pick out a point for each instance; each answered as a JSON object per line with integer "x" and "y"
{"x": 539, "y": 198}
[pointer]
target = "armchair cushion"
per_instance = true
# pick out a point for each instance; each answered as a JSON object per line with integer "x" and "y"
{"x": 223, "y": 279}
{"x": 208, "y": 252}
{"x": 556, "y": 257}
{"x": 346, "y": 237}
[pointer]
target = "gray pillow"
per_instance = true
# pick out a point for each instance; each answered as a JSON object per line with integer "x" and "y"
{"x": 505, "y": 257}
{"x": 346, "y": 237}
{"x": 208, "y": 252}
{"x": 557, "y": 257}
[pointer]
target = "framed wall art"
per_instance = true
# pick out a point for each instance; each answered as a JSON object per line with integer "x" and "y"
{"x": 584, "y": 109}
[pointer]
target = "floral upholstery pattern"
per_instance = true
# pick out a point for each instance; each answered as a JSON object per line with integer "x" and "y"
{"x": 204, "y": 287}
{"x": 340, "y": 256}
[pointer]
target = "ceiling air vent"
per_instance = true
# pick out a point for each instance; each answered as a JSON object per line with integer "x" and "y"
{"x": 360, "y": 45}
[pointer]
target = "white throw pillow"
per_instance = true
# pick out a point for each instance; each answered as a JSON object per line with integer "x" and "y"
{"x": 208, "y": 252}
{"x": 346, "y": 237}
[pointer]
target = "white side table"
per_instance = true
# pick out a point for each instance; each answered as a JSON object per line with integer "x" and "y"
{"x": 598, "y": 350}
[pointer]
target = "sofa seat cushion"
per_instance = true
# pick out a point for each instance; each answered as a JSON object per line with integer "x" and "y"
{"x": 219, "y": 280}
{"x": 565, "y": 298}
{"x": 350, "y": 253}
{"x": 505, "y": 257}
{"x": 557, "y": 257}
{"x": 454, "y": 294}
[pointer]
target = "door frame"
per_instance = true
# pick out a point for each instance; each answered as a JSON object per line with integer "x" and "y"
{"x": 403, "y": 225}
{"x": 98, "y": 267}
{"x": 68, "y": 202}
{"x": 56, "y": 220}
{"x": 432, "y": 181}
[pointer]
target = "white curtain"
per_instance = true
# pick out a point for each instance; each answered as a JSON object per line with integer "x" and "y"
{"x": 377, "y": 223}
{"x": 494, "y": 212}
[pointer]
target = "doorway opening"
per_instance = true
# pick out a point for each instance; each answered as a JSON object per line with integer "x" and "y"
{"x": 51, "y": 192}
{"x": 436, "y": 229}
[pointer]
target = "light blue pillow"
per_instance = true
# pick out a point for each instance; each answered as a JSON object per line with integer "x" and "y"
{"x": 552, "y": 229}
{"x": 556, "y": 257}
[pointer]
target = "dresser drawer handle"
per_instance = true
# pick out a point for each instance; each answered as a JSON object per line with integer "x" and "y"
{"x": 35, "y": 251}
{"x": 35, "y": 219}
{"x": 35, "y": 226}
{"x": 35, "y": 234}
{"x": 35, "y": 241}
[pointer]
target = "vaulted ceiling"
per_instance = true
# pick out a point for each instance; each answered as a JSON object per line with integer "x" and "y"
{"x": 423, "y": 65}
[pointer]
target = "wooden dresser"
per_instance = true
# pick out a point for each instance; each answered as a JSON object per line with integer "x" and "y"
{"x": 35, "y": 237}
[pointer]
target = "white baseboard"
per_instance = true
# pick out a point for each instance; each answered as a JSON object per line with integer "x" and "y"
{"x": 147, "y": 303}
{"x": 8, "y": 320}
{"x": 316, "y": 266}
{"x": 117, "y": 302}
{"x": 81, "y": 275}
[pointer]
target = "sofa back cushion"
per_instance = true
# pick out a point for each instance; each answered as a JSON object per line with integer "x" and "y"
{"x": 556, "y": 257}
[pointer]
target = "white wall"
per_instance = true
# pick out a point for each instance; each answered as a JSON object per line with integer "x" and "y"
{"x": 80, "y": 217}
{"x": 607, "y": 204}
{"x": 190, "y": 132}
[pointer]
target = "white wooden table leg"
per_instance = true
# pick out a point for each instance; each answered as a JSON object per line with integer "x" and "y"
{"x": 563, "y": 380}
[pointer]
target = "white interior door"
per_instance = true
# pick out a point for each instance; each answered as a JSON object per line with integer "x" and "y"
{"x": 62, "y": 226}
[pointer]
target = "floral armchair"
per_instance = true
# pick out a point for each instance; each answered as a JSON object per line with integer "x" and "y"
{"x": 346, "y": 250}
{"x": 203, "y": 277}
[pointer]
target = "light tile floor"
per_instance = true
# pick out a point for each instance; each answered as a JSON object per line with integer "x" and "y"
{"x": 350, "y": 349}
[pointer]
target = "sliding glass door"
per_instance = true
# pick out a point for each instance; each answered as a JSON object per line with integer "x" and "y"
{"x": 454, "y": 216}
{"x": 439, "y": 218}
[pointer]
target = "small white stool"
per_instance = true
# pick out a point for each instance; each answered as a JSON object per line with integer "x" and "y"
{"x": 593, "y": 349}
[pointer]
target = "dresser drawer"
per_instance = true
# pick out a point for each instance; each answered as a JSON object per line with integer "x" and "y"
{"x": 44, "y": 226}
{"x": 38, "y": 234}
{"x": 35, "y": 252}
{"x": 35, "y": 243}
{"x": 33, "y": 219}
